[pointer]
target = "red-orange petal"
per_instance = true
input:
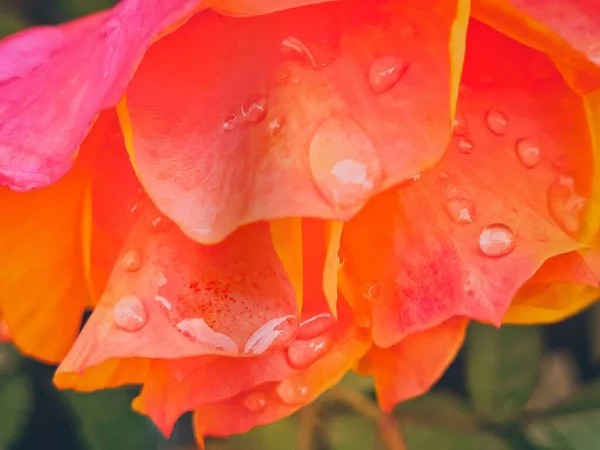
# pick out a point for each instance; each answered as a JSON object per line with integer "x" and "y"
{"x": 324, "y": 106}
{"x": 60, "y": 78}
{"x": 426, "y": 251}
{"x": 412, "y": 366}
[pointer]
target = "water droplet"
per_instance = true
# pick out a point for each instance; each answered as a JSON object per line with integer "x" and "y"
{"x": 164, "y": 303}
{"x": 443, "y": 176}
{"x": 316, "y": 326}
{"x": 129, "y": 313}
{"x": 372, "y": 292}
{"x": 254, "y": 109}
{"x": 293, "y": 390}
{"x": 529, "y": 153}
{"x": 460, "y": 210}
{"x": 465, "y": 146}
{"x": 461, "y": 127}
{"x": 293, "y": 46}
{"x": 341, "y": 259}
{"x": 344, "y": 162}
{"x": 302, "y": 354}
{"x": 256, "y": 402}
{"x": 565, "y": 205}
{"x": 385, "y": 72}
{"x": 497, "y": 240}
{"x": 159, "y": 223}
{"x": 230, "y": 122}
{"x": 496, "y": 121}
{"x": 276, "y": 126}
{"x": 273, "y": 334}
{"x": 131, "y": 260}
{"x": 416, "y": 177}
{"x": 198, "y": 331}
{"x": 161, "y": 280}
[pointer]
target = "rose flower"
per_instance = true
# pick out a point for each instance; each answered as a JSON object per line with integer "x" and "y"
{"x": 257, "y": 196}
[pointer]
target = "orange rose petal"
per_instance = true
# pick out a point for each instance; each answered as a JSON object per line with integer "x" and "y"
{"x": 42, "y": 276}
{"x": 413, "y": 365}
{"x": 257, "y": 7}
{"x": 307, "y": 119}
{"x": 427, "y": 251}
{"x": 169, "y": 297}
{"x": 272, "y": 401}
{"x": 112, "y": 373}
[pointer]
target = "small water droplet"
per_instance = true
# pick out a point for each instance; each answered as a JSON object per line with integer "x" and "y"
{"x": 341, "y": 259}
{"x": 197, "y": 330}
{"x": 129, "y": 313}
{"x": 164, "y": 303}
{"x": 292, "y": 46}
{"x": 271, "y": 335}
{"x": 460, "y": 210}
{"x": 385, "y": 72}
{"x": 254, "y": 109}
{"x": 529, "y": 153}
{"x": 159, "y": 223}
{"x": 565, "y": 205}
{"x": 276, "y": 126}
{"x": 497, "y": 240}
{"x": 461, "y": 127}
{"x": 465, "y": 146}
{"x": 256, "y": 402}
{"x": 230, "y": 122}
{"x": 303, "y": 354}
{"x": 496, "y": 121}
{"x": 372, "y": 292}
{"x": 131, "y": 260}
{"x": 344, "y": 162}
{"x": 443, "y": 176}
{"x": 161, "y": 280}
{"x": 416, "y": 177}
{"x": 316, "y": 326}
{"x": 293, "y": 390}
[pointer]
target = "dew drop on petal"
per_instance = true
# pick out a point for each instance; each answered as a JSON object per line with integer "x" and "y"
{"x": 529, "y": 153}
{"x": 461, "y": 127}
{"x": 497, "y": 240}
{"x": 372, "y": 292}
{"x": 385, "y": 72}
{"x": 164, "y": 303}
{"x": 460, "y": 210}
{"x": 293, "y": 390}
{"x": 197, "y": 330}
{"x": 159, "y": 223}
{"x": 341, "y": 259}
{"x": 254, "y": 109}
{"x": 344, "y": 162}
{"x": 255, "y": 402}
{"x": 416, "y": 177}
{"x": 274, "y": 334}
{"x": 276, "y": 126}
{"x": 129, "y": 313}
{"x": 496, "y": 121}
{"x": 465, "y": 146}
{"x": 315, "y": 326}
{"x": 230, "y": 122}
{"x": 565, "y": 205}
{"x": 292, "y": 46}
{"x": 131, "y": 260}
{"x": 303, "y": 354}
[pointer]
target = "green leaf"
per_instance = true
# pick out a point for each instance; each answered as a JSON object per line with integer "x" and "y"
{"x": 16, "y": 399}
{"x": 281, "y": 435}
{"x": 108, "y": 422}
{"x": 353, "y": 433}
{"x": 78, "y": 8}
{"x": 575, "y": 431}
{"x": 437, "y": 407}
{"x": 587, "y": 398}
{"x": 502, "y": 368}
{"x": 11, "y": 22}
{"x": 421, "y": 437}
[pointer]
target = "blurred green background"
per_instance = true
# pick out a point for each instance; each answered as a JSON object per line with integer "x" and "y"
{"x": 522, "y": 388}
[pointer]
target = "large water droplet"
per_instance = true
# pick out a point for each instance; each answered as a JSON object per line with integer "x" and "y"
{"x": 465, "y": 146}
{"x": 273, "y": 334}
{"x": 497, "y": 240}
{"x": 460, "y": 210}
{"x": 302, "y": 354}
{"x": 230, "y": 122}
{"x": 131, "y": 260}
{"x": 371, "y": 292}
{"x": 461, "y": 127}
{"x": 129, "y": 313}
{"x": 293, "y": 390}
{"x": 254, "y": 109}
{"x": 529, "y": 153}
{"x": 197, "y": 330}
{"x": 292, "y": 46}
{"x": 565, "y": 205}
{"x": 496, "y": 121}
{"x": 316, "y": 325}
{"x": 344, "y": 162}
{"x": 256, "y": 402}
{"x": 385, "y": 72}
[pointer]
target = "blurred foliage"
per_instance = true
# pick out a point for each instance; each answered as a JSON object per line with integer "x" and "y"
{"x": 506, "y": 390}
